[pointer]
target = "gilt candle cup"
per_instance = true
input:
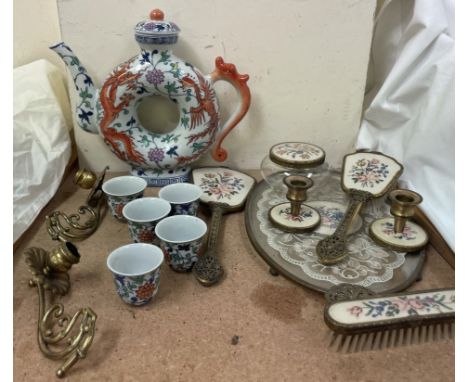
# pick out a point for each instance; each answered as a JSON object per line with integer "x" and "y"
{"x": 181, "y": 237}
{"x": 136, "y": 269}
{"x": 184, "y": 198}
{"x": 121, "y": 190}
{"x": 142, "y": 215}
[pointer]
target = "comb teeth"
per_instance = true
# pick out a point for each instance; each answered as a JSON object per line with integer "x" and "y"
{"x": 416, "y": 337}
{"x": 437, "y": 333}
{"x": 379, "y": 340}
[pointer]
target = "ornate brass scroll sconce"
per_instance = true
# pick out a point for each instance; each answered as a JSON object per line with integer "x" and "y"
{"x": 49, "y": 270}
{"x": 68, "y": 227}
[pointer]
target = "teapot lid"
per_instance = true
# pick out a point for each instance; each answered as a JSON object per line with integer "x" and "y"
{"x": 156, "y": 30}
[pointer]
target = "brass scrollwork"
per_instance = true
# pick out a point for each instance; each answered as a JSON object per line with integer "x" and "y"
{"x": 63, "y": 227}
{"x": 49, "y": 270}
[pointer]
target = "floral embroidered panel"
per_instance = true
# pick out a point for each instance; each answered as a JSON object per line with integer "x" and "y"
{"x": 385, "y": 308}
{"x": 223, "y": 185}
{"x": 369, "y": 172}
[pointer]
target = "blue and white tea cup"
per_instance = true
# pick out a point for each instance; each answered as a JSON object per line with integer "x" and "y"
{"x": 184, "y": 198}
{"x": 181, "y": 237}
{"x": 121, "y": 190}
{"x": 136, "y": 269}
{"x": 142, "y": 215}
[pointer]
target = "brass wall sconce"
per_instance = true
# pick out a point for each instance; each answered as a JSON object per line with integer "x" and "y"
{"x": 58, "y": 336}
{"x": 63, "y": 227}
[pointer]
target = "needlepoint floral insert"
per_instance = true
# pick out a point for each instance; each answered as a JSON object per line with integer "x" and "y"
{"x": 412, "y": 236}
{"x": 297, "y": 152}
{"x": 371, "y": 172}
{"x": 378, "y": 309}
{"x": 307, "y": 217}
{"x": 222, "y": 185}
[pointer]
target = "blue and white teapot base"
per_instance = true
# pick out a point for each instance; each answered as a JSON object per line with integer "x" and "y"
{"x": 160, "y": 178}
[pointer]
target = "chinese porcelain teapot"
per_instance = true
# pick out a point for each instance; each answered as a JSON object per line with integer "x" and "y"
{"x": 161, "y": 158}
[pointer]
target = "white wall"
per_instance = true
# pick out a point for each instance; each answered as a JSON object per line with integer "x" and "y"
{"x": 35, "y": 25}
{"x": 307, "y": 62}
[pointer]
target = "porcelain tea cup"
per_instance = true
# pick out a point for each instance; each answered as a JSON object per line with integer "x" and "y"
{"x": 136, "y": 269}
{"x": 121, "y": 190}
{"x": 142, "y": 215}
{"x": 181, "y": 237}
{"x": 184, "y": 198}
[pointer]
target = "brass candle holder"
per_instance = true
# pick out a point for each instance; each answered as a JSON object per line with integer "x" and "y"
{"x": 398, "y": 232}
{"x": 297, "y": 191}
{"x": 60, "y": 336}
{"x": 63, "y": 227}
{"x": 295, "y": 216}
{"x": 293, "y": 164}
{"x": 404, "y": 203}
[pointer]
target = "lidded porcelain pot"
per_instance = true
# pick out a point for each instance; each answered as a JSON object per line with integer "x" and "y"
{"x": 111, "y": 111}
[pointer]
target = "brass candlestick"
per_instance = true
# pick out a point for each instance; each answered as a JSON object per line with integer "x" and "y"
{"x": 49, "y": 270}
{"x": 63, "y": 227}
{"x": 404, "y": 203}
{"x": 398, "y": 232}
{"x": 297, "y": 191}
{"x": 295, "y": 216}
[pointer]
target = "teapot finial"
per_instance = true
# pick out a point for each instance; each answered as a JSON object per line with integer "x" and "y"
{"x": 157, "y": 15}
{"x": 156, "y": 31}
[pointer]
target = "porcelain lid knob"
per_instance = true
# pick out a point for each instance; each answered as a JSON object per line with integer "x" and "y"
{"x": 157, "y": 15}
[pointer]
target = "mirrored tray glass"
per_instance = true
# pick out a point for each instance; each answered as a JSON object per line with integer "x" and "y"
{"x": 293, "y": 255}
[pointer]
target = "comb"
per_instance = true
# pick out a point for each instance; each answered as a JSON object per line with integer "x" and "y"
{"x": 361, "y": 320}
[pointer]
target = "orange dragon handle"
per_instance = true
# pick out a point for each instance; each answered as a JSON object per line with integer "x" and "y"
{"x": 228, "y": 72}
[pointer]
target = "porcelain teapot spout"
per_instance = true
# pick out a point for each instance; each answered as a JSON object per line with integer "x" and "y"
{"x": 159, "y": 157}
{"x": 85, "y": 113}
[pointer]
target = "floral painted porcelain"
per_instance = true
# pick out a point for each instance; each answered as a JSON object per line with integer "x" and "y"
{"x": 117, "y": 204}
{"x": 142, "y": 215}
{"x": 136, "y": 270}
{"x": 161, "y": 158}
{"x": 184, "y": 198}
{"x": 138, "y": 290}
{"x": 122, "y": 190}
{"x": 181, "y": 237}
{"x": 181, "y": 257}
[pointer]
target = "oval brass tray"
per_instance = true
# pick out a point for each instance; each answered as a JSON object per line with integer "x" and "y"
{"x": 327, "y": 187}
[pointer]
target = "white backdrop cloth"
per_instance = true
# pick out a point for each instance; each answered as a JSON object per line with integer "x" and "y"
{"x": 409, "y": 110}
{"x": 41, "y": 141}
